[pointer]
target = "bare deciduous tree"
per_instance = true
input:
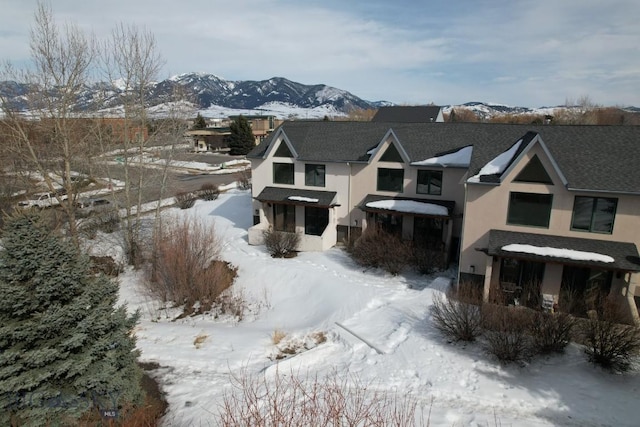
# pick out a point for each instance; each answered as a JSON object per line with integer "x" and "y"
{"x": 50, "y": 138}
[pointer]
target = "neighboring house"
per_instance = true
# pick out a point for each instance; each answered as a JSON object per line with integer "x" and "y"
{"x": 329, "y": 180}
{"x": 216, "y": 137}
{"x": 209, "y": 139}
{"x": 554, "y": 205}
{"x": 409, "y": 114}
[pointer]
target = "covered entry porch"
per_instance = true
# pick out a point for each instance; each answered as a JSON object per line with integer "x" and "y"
{"x": 556, "y": 272}
{"x": 427, "y": 223}
{"x": 309, "y": 213}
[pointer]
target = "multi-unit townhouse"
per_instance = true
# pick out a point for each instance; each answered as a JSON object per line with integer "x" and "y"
{"x": 557, "y": 206}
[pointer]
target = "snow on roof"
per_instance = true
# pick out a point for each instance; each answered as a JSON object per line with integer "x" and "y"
{"x": 498, "y": 164}
{"x": 409, "y": 206}
{"x": 460, "y": 158}
{"x": 557, "y": 252}
{"x": 303, "y": 199}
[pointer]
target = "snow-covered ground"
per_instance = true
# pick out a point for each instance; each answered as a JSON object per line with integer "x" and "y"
{"x": 458, "y": 383}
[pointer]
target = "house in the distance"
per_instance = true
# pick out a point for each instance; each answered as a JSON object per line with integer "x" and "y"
{"x": 215, "y": 136}
{"x": 556, "y": 208}
{"x": 409, "y": 114}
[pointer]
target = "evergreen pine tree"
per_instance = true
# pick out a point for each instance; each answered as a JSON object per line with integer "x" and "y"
{"x": 241, "y": 140}
{"x": 199, "y": 122}
{"x": 65, "y": 349}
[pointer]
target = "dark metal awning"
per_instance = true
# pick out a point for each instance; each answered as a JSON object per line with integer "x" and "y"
{"x": 296, "y": 196}
{"x": 408, "y": 206}
{"x": 608, "y": 255}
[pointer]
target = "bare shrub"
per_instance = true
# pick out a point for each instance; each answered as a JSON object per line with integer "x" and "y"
{"x": 105, "y": 265}
{"x": 609, "y": 343}
{"x": 185, "y": 200}
{"x": 209, "y": 191}
{"x": 459, "y": 315}
{"x": 294, "y": 400}
{"x": 281, "y": 244}
{"x": 550, "y": 332}
{"x": 184, "y": 266}
{"x": 243, "y": 178}
{"x": 377, "y": 248}
{"x": 506, "y": 332}
{"x": 232, "y": 303}
{"x": 427, "y": 260}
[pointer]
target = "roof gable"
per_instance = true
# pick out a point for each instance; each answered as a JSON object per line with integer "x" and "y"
{"x": 534, "y": 172}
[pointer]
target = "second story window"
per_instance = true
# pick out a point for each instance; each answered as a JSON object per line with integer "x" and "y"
{"x": 390, "y": 180}
{"x": 283, "y": 173}
{"x": 429, "y": 182}
{"x": 529, "y": 209}
{"x": 594, "y": 214}
{"x": 314, "y": 175}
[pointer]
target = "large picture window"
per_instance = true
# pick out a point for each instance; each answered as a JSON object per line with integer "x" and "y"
{"x": 390, "y": 180}
{"x": 315, "y": 220}
{"x": 284, "y": 218}
{"x": 314, "y": 175}
{"x": 283, "y": 173}
{"x": 529, "y": 209}
{"x": 594, "y": 214}
{"x": 429, "y": 182}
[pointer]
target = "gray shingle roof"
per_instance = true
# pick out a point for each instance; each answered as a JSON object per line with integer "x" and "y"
{"x": 281, "y": 195}
{"x": 625, "y": 255}
{"x": 407, "y": 114}
{"x": 590, "y": 157}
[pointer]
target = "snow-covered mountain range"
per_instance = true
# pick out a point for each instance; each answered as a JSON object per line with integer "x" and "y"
{"x": 216, "y": 97}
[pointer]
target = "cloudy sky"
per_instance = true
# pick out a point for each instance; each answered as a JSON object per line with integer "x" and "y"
{"x": 517, "y": 52}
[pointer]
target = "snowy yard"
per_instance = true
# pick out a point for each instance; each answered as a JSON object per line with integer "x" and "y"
{"x": 460, "y": 384}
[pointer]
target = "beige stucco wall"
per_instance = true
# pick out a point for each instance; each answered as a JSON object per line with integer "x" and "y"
{"x": 336, "y": 179}
{"x": 487, "y": 206}
{"x": 365, "y": 177}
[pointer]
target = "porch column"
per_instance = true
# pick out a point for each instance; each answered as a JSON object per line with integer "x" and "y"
{"x": 488, "y": 273}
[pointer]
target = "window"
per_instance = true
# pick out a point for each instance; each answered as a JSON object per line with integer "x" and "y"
{"x": 583, "y": 289}
{"x": 429, "y": 182}
{"x": 390, "y": 180}
{"x": 284, "y": 218}
{"x": 534, "y": 172}
{"x": 529, "y": 209}
{"x": 520, "y": 281}
{"x": 315, "y": 220}
{"x": 283, "y": 173}
{"x": 392, "y": 155}
{"x": 314, "y": 175}
{"x": 392, "y": 224}
{"x": 593, "y": 214}
{"x": 283, "y": 150}
{"x": 427, "y": 232}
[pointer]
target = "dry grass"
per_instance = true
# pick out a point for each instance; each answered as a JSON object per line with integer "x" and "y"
{"x": 277, "y": 336}
{"x": 199, "y": 340}
{"x": 287, "y": 345}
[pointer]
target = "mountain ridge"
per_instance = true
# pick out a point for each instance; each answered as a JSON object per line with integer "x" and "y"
{"x": 277, "y": 95}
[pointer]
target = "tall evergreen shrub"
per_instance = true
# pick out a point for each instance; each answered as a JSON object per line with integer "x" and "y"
{"x": 65, "y": 348}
